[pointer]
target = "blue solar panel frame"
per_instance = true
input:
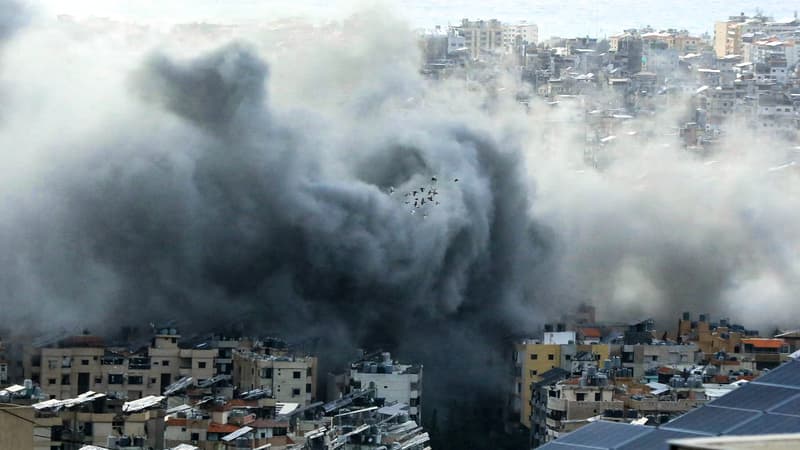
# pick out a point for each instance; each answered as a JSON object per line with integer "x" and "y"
{"x": 557, "y": 445}
{"x": 790, "y": 407}
{"x": 787, "y": 374}
{"x": 605, "y": 434}
{"x": 711, "y": 420}
{"x": 756, "y": 397}
{"x": 768, "y": 424}
{"x": 657, "y": 440}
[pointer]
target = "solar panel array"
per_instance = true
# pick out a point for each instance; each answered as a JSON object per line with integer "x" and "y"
{"x": 769, "y": 404}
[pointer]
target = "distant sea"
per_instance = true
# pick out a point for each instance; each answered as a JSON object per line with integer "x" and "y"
{"x": 566, "y": 18}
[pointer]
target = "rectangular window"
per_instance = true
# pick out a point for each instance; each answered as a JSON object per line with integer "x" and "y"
{"x": 534, "y": 356}
{"x": 195, "y": 437}
{"x": 308, "y": 372}
{"x": 165, "y": 362}
{"x": 598, "y": 396}
{"x": 266, "y": 372}
{"x": 65, "y": 379}
{"x": 308, "y": 388}
{"x": 135, "y": 379}
{"x": 551, "y": 357}
{"x": 98, "y": 380}
{"x": 295, "y": 392}
{"x": 296, "y": 374}
{"x": 84, "y": 362}
{"x": 201, "y": 365}
{"x": 581, "y": 396}
{"x": 115, "y": 379}
{"x": 51, "y": 381}
{"x": 534, "y": 373}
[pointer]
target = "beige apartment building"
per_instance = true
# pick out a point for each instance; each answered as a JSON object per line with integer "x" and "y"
{"x": 289, "y": 378}
{"x": 21, "y": 429}
{"x": 83, "y": 363}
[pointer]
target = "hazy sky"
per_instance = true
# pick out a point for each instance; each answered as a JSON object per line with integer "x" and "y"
{"x": 554, "y": 17}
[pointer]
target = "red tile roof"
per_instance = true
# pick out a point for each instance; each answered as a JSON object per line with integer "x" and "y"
{"x": 176, "y": 422}
{"x": 591, "y": 332}
{"x": 764, "y": 343}
{"x": 214, "y": 427}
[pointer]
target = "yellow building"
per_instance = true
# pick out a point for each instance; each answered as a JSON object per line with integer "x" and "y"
{"x": 532, "y": 359}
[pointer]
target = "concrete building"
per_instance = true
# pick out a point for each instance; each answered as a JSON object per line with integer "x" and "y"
{"x": 17, "y": 430}
{"x": 392, "y": 382}
{"x": 521, "y": 33}
{"x": 83, "y": 363}
{"x": 287, "y": 378}
{"x": 766, "y": 407}
{"x": 532, "y": 358}
{"x": 482, "y": 38}
{"x": 571, "y": 402}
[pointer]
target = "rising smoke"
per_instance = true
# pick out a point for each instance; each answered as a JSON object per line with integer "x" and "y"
{"x": 245, "y": 184}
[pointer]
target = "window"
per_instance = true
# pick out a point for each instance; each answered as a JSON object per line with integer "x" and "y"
{"x": 598, "y": 396}
{"x": 551, "y": 357}
{"x": 115, "y": 379}
{"x": 266, "y": 372}
{"x": 165, "y": 362}
{"x": 195, "y": 437}
{"x": 534, "y": 356}
{"x": 308, "y": 372}
{"x": 135, "y": 379}
{"x": 568, "y": 357}
{"x": 308, "y": 388}
{"x": 534, "y": 372}
{"x": 84, "y": 362}
{"x": 98, "y": 380}
{"x": 65, "y": 379}
{"x": 295, "y": 392}
{"x": 581, "y": 396}
{"x": 201, "y": 365}
{"x": 296, "y": 374}
{"x": 152, "y": 381}
{"x": 51, "y": 381}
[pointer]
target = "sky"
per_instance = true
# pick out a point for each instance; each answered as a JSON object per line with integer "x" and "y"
{"x": 554, "y": 17}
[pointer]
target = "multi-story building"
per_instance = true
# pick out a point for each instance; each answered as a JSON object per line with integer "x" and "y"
{"x": 83, "y": 363}
{"x": 286, "y": 378}
{"x": 22, "y": 429}
{"x": 391, "y": 381}
{"x": 519, "y": 33}
{"x": 729, "y": 35}
{"x": 532, "y": 358}
{"x": 571, "y": 402}
{"x": 482, "y": 37}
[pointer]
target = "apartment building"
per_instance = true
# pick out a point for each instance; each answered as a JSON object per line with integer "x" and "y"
{"x": 391, "y": 381}
{"x": 84, "y": 363}
{"x": 482, "y": 37}
{"x": 286, "y": 378}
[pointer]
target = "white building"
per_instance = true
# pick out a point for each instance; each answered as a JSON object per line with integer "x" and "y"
{"x": 391, "y": 381}
{"x": 519, "y": 33}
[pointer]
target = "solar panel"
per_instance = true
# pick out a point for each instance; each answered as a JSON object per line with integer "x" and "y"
{"x": 557, "y": 445}
{"x": 604, "y": 434}
{"x": 790, "y": 407}
{"x": 710, "y": 420}
{"x": 787, "y": 374}
{"x": 756, "y": 397}
{"x": 656, "y": 440}
{"x": 769, "y": 423}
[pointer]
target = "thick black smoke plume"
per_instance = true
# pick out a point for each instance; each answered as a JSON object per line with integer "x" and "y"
{"x": 140, "y": 186}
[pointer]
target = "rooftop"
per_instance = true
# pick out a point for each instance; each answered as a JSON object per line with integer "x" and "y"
{"x": 767, "y": 405}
